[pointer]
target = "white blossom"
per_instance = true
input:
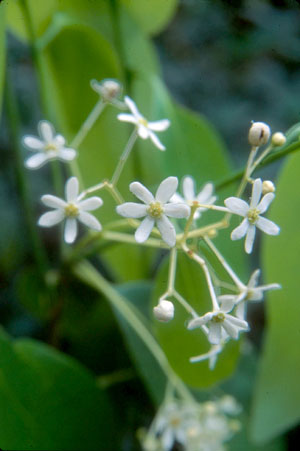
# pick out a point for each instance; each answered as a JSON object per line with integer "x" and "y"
{"x": 71, "y": 209}
{"x": 251, "y": 214}
{"x": 171, "y": 425}
{"x": 205, "y": 196}
{"x": 155, "y": 210}
{"x": 145, "y": 128}
{"x": 251, "y": 292}
{"x": 219, "y": 321}
{"x": 48, "y": 146}
{"x": 164, "y": 311}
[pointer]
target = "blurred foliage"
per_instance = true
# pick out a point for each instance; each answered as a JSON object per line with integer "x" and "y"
{"x": 227, "y": 60}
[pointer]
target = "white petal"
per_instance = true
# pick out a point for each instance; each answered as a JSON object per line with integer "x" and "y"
{"x": 177, "y": 199}
{"x": 168, "y": 439}
{"x": 188, "y": 188}
{"x": 59, "y": 140}
{"x": 90, "y": 204}
{"x": 256, "y": 295}
{"x": 51, "y": 218}
{"x": 127, "y": 118}
{"x": 70, "y": 230}
{"x": 159, "y": 126}
{"x": 33, "y": 143}
{"x": 143, "y": 132}
{"x": 167, "y": 230}
{"x": 214, "y": 335}
{"x": 227, "y": 298}
{"x": 265, "y": 202}
{"x": 240, "y": 231}
{"x": 227, "y": 304}
{"x": 253, "y": 281}
{"x": 241, "y": 310}
{"x": 141, "y": 192}
{"x": 144, "y": 230}
{"x": 53, "y": 201}
{"x": 46, "y": 130}
{"x": 177, "y": 210}
{"x": 205, "y": 194}
{"x": 166, "y": 189}
{"x": 232, "y": 330}
{"x": 72, "y": 189}
{"x": 132, "y": 106}
{"x": 237, "y": 206}
{"x": 256, "y": 193}
{"x": 270, "y": 286}
{"x": 36, "y": 161}
{"x": 237, "y": 322}
{"x": 267, "y": 226}
{"x": 156, "y": 141}
{"x": 132, "y": 210}
{"x": 89, "y": 220}
{"x": 250, "y": 238}
{"x": 67, "y": 154}
{"x": 200, "y": 321}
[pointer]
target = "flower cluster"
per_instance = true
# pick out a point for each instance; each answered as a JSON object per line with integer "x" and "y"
{"x": 195, "y": 426}
{"x": 151, "y": 217}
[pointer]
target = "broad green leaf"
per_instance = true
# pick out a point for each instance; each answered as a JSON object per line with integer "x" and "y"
{"x": 277, "y": 397}
{"x": 48, "y": 401}
{"x": 177, "y": 341}
{"x": 152, "y": 16}
{"x": 2, "y": 50}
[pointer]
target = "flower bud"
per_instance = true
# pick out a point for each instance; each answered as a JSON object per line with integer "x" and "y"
{"x": 259, "y": 134}
{"x": 108, "y": 89}
{"x": 278, "y": 139}
{"x": 164, "y": 311}
{"x": 268, "y": 187}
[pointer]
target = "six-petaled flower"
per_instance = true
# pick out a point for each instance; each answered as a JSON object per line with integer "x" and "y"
{"x": 49, "y": 146}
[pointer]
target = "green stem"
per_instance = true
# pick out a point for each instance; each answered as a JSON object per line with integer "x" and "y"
{"x": 88, "y": 274}
{"x": 88, "y": 124}
{"x": 14, "y": 123}
{"x": 124, "y": 157}
{"x": 270, "y": 159}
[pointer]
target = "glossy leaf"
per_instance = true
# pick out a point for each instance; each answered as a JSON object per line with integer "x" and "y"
{"x": 151, "y": 16}
{"x": 48, "y": 401}
{"x": 2, "y": 50}
{"x": 277, "y": 397}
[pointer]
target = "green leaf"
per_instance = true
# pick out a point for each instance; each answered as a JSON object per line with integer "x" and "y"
{"x": 153, "y": 16}
{"x": 277, "y": 397}
{"x": 177, "y": 341}
{"x": 48, "y": 401}
{"x": 2, "y": 50}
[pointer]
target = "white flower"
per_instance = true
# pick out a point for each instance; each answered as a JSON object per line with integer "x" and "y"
{"x": 191, "y": 198}
{"x": 218, "y": 322}
{"x": 211, "y": 356}
{"x": 144, "y": 128}
{"x": 250, "y": 292}
{"x": 155, "y": 209}
{"x": 251, "y": 214}
{"x": 171, "y": 425}
{"x": 72, "y": 209}
{"x": 49, "y": 146}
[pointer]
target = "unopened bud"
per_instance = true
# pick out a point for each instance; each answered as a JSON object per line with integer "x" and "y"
{"x": 164, "y": 311}
{"x": 268, "y": 187}
{"x": 259, "y": 134}
{"x": 108, "y": 89}
{"x": 278, "y": 139}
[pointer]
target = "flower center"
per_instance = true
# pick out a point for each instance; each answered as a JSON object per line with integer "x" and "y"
{"x": 143, "y": 121}
{"x": 175, "y": 421}
{"x": 50, "y": 146}
{"x": 71, "y": 210}
{"x": 252, "y": 215}
{"x": 218, "y": 318}
{"x": 155, "y": 210}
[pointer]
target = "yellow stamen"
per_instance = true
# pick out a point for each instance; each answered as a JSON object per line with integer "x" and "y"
{"x": 50, "y": 146}
{"x": 155, "y": 210}
{"x": 143, "y": 121}
{"x": 218, "y": 318}
{"x": 252, "y": 215}
{"x": 71, "y": 210}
